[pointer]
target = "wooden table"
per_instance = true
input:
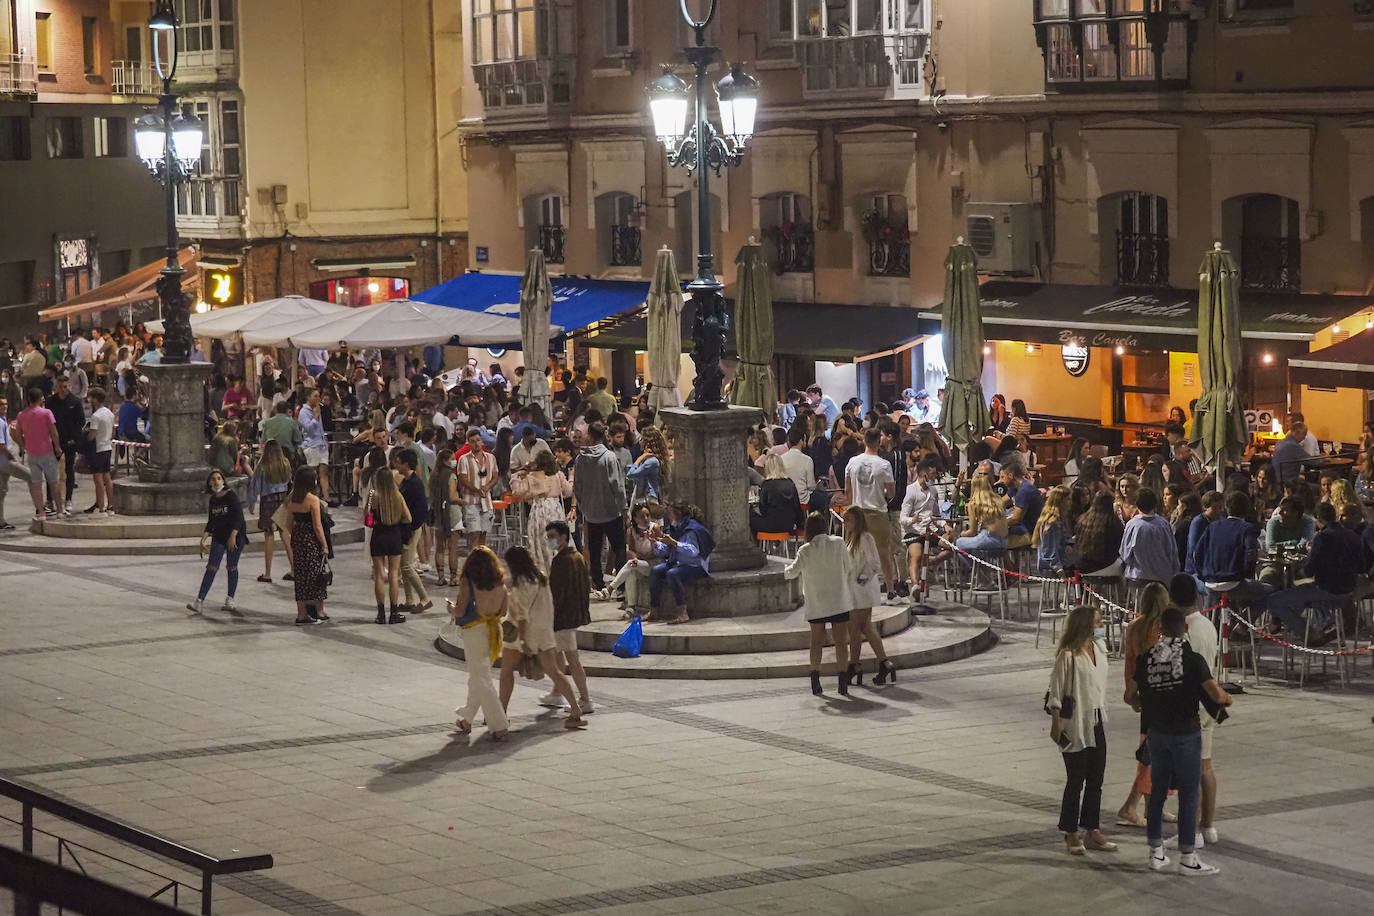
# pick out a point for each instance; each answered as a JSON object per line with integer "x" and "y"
{"x": 1052, "y": 447}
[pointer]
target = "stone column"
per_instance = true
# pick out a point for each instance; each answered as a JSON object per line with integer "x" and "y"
{"x": 171, "y": 480}
{"x": 709, "y": 462}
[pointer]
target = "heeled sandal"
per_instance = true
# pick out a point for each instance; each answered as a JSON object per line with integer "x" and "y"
{"x": 463, "y": 726}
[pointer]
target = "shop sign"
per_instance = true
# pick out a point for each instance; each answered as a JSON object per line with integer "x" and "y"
{"x": 223, "y": 288}
{"x": 1075, "y": 353}
{"x": 483, "y": 254}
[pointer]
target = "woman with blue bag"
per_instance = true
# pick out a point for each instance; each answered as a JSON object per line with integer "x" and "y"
{"x": 482, "y": 602}
{"x": 528, "y": 630}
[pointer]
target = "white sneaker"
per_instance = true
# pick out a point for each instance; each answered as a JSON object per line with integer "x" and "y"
{"x": 1172, "y": 842}
{"x": 423, "y": 568}
{"x": 588, "y": 707}
{"x": 66, "y": 510}
{"x": 196, "y": 607}
{"x": 1189, "y": 864}
{"x": 553, "y": 701}
{"x": 1210, "y": 834}
{"x": 229, "y": 605}
{"x": 1158, "y": 860}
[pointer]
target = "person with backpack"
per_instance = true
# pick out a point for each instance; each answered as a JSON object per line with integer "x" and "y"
{"x": 683, "y": 550}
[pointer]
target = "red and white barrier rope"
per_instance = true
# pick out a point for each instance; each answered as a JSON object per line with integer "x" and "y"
{"x": 1296, "y": 648}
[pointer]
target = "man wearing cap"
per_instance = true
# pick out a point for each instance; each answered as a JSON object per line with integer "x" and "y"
{"x": 920, "y": 411}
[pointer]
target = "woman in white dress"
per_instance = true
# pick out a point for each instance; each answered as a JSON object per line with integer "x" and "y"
{"x": 827, "y": 577}
{"x": 868, "y": 593}
{"x": 529, "y": 620}
{"x": 545, "y": 489}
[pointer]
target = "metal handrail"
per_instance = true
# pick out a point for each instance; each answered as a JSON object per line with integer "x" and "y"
{"x": 31, "y": 799}
{"x": 38, "y": 881}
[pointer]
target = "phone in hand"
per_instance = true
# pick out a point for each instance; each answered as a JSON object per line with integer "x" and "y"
{"x": 1063, "y": 741}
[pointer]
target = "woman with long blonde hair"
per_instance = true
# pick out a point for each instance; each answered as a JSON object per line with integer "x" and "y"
{"x": 1053, "y": 536}
{"x": 1077, "y": 702}
{"x": 1342, "y": 495}
{"x": 274, "y": 473}
{"x": 1141, "y": 635}
{"x": 865, "y": 566}
{"x": 650, "y": 470}
{"x": 390, "y": 529}
{"x": 1127, "y": 489}
{"x": 987, "y": 523}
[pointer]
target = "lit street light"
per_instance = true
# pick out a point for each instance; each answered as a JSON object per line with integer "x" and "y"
{"x": 698, "y": 148}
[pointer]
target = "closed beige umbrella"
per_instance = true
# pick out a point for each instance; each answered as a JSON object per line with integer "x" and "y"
{"x": 754, "y": 385}
{"x": 536, "y": 304}
{"x": 665, "y": 332}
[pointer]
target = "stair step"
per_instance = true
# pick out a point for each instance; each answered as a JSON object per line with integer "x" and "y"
{"x": 953, "y": 632}
{"x": 732, "y": 635}
{"x": 142, "y": 546}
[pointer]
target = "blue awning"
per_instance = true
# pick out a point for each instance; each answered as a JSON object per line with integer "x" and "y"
{"x": 577, "y": 303}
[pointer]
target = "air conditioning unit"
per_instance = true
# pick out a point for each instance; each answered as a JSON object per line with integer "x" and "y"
{"x": 1004, "y": 236}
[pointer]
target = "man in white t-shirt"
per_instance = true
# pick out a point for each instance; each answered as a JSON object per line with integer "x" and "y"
{"x": 9, "y": 461}
{"x": 476, "y": 476}
{"x": 869, "y": 484}
{"x": 1202, "y": 637}
{"x": 101, "y": 427}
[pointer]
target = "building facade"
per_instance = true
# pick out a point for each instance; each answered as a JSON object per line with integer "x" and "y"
{"x": 330, "y": 167}
{"x": 1078, "y": 142}
{"x": 78, "y": 206}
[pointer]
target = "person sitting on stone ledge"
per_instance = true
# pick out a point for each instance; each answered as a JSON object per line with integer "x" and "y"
{"x": 683, "y": 550}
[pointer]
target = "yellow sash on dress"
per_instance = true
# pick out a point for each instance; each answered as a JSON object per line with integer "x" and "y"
{"x": 493, "y": 625}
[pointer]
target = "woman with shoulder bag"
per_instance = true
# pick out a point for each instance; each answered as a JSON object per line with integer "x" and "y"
{"x": 528, "y": 630}
{"x": 1140, "y": 637}
{"x": 308, "y": 548}
{"x": 1077, "y": 703}
{"x": 867, "y": 593}
{"x": 274, "y": 474}
{"x": 447, "y": 517}
{"x": 482, "y": 602}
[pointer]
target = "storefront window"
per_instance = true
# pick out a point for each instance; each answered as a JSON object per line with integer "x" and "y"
{"x": 355, "y": 291}
{"x": 1143, "y": 388}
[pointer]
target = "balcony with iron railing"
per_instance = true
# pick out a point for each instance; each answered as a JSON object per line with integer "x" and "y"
{"x": 625, "y": 246}
{"x": 794, "y": 247}
{"x": 131, "y": 77}
{"x": 1142, "y": 259}
{"x": 518, "y": 87}
{"x": 210, "y": 207}
{"x": 890, "y": 257}
{"x": 18, "y": 74}
{"x": 876, "y": 66}
{"x": 551, "y": 243}
{"x": 1271, "y": 263}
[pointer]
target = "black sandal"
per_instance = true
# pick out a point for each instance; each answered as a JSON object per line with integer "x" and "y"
{"x": 267, "y": 579}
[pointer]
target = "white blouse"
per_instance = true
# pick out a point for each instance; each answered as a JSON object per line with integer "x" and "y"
{"x": 827, "y": 576}
{"x": 868, "y": 589}
{"x": 1084, "y": 678}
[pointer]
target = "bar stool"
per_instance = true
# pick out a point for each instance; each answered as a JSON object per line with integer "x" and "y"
{"x": 1022, "y": 559}
{"x": 1054, "y": 590}
{"x": 1333, "y": 606}
{"x": 775, "y": 543}
{"x": 993, "y": 583}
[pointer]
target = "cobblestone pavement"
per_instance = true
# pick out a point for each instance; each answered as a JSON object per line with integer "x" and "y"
{"x": 330, "y": 748}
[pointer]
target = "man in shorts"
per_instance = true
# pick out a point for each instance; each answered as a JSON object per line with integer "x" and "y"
{"x": 477, "y": 474}
{"x": 869, "y": 484}
{"x": 313, "y": 442}
{"x": 571, "y": 583}
{"x": 35, "y": 429}
{"x": 102, "y": 424}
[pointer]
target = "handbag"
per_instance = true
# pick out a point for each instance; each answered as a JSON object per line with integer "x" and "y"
{"x": 509, "y": 631}
{"x": 470, "y": 612}
{"x": 369, "y": 520}
{"x": 327, "y": 574}
{"x": 1066, "y": 702}
{"x": 530, "y": 668}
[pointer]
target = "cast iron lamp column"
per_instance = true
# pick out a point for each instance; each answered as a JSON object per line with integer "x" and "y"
{"x": 169, "y": 144}
{"x": 698, "y": 149}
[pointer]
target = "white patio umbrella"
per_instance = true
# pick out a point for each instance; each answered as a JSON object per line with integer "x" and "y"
{"x": 397, "y": 323}
{"x": 536, "y": 303}
{"x": 664, "y": 332}
{"x": 262, "y": 315}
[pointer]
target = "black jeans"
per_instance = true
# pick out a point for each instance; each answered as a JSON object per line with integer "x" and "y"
{"x": 613, "y": 531}
{"x": 1082, "y": 802}
{"x": 69, "y": 451}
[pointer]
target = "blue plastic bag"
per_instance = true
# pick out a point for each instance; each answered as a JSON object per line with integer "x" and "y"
{"x": 631, "y": 641}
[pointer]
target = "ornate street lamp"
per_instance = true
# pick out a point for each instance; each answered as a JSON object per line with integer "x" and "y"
{"x": 169, "y": 144}
{"x": 698, "y": 148}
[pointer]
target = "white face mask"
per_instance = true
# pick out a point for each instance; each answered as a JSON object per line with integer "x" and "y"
{"x": 217, "y": 488}
{"x": 554, "y": 546}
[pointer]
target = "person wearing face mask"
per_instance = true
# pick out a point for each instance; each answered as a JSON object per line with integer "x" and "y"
{"x": 570, "y": 583}
{"x": 228, "y": 533}
{"x": 12, "y": 393}
{"x": 1077, "y": 704}
{"x": 77, "y": 378}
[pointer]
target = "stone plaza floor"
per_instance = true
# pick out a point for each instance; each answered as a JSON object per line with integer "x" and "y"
{"x": 331, "y": 748}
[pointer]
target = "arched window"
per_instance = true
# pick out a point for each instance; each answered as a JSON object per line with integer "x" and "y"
{"x": 1263, "y": 229}
{"x": 1134, "y": 229}
{"x": 883, "y": 222}
{"x": 685, "y": 221}
{"x": 544, "y": 226}
{"x": 785, "y": 219}
{"x": 618, "y": 234}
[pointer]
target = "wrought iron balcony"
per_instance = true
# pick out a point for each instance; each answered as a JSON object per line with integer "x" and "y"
{"x": 1142, "y": 259}
{"x": 890, "y": 257}
{"x": 1271, "y": 262}
{"x": 18, "y": 74}
{"x": 625, "y": 246}
{"x": 129, "y": 77}
{"x": 795, "y": 245}
{"x": 551, "y": 243}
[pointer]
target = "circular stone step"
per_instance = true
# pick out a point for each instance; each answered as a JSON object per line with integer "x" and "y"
{"x": 953, "y": 632}
{"x": 97, "y": 526}
{"x": 718, "y": 636}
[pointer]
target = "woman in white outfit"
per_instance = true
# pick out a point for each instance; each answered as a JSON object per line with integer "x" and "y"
{"x": 545, "y": 489}
{"x": 481, "y": 603}
{"x": 824, "y": 567}
{"x": 530, "y": 613}
{"x": 868, "y": 593}
{"x": 634, "y": 575}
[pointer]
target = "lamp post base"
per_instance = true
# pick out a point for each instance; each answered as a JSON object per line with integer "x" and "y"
{"x": 171, "y": 480}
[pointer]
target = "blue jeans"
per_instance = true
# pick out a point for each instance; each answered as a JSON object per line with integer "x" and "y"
{"x": 1287, "y": 605}
{"x": 218, "y": 551}
{"x": 1251, "y": 593}
{"x": 678, "y": 578}
{"x": 1174, "y": 760}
